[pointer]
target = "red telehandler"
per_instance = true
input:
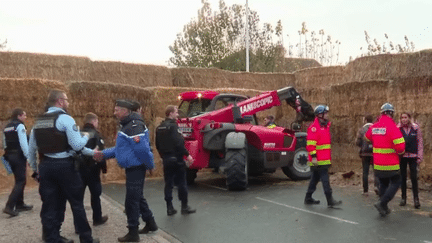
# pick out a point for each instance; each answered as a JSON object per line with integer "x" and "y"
{"x": 221, "y": 132}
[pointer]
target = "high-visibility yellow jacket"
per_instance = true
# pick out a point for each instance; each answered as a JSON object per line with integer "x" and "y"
{"x": 319, "y": 143}
{"x": 388, "y": 142}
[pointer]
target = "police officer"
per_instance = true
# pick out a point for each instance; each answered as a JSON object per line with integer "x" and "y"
{"x": 90, "y": 169}
{"x": 170, "y": 145}
{"x": 388, "y": 143}
{"x": 133, "y": 152}
{"x": 56, "y": 137}
{"x": 318, "y": 146}
{"x": 16, "y": 152}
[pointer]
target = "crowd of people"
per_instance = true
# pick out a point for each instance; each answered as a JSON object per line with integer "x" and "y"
{"x": 66, "y": 160}
{"x": 391, "y": 148}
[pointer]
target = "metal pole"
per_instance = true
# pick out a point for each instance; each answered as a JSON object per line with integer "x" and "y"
{"x": 247, "y": 37}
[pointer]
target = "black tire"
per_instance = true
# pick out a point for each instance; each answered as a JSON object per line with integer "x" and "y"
{"x": 236, "y": 169}
{"x": 298, "y": 168}
{"x": 191, "y": 174}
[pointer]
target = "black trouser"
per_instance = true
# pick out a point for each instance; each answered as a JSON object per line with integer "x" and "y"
{"x": 388, "y": 187}
{"x": 412, "y": 163}
{"x": 60, "y": 182}
{"x": 135, "y": 203}
{"x": 175, "y": 173}
{"x": 319, "y": 175}
{"x": 91, "y": 179}
{"x": 18, "y": 165}
{"x": 366, "y": 163}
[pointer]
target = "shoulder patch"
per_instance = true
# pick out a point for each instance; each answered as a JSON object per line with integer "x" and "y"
{"x": 75, "y": 128}
{"x": 379, "y": 131}
{"x": 313, "y": 129}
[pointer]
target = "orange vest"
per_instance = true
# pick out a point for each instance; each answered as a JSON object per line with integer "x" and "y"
{"x": 388, "y": 142}
{"x": 319, "y": 143}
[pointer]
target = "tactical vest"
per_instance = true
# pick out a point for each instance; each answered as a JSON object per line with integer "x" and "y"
{"x": 48, "y": 138}
{"x": 91, "y": 144}
{"x": 11, "y": 137}
{"x": 410, "y": 140}
{"x": 165, "y": 138}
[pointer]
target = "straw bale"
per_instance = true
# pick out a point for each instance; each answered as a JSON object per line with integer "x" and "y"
{"x": 215, "y": 78}
{"x": 199, "y": 77}
{"x": 358, "y": 98}
{"x": 390, "y": 66}
{"x": 51, "y": 67}
{"x": 260, "y": 81}
{"x": 345, "y": 157}
{"x": 319, "y": 77}
{"x": 100, "y": 97}
{"x": 132, "y": 74}
{"x": 294, "y": 64}
{"x": 29, "y": 94}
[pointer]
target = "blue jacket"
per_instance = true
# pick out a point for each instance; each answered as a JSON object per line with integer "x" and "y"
{"x": 132, "y": 144}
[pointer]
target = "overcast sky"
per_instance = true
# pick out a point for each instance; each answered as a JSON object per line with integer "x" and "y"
{"x": 141, "y": 31}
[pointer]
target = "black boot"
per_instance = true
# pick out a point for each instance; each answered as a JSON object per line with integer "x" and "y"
{"x": 101, "y": 221}
{"x": 416, "y": 203}
{"x": 382, "y": 210}
{"x": 23, "y": 207}
{"x": 187, "y": 210}
{"x": 309, "y": 200}
{"x": 171, "y": 210}
{"x": 10, "y": 211}
{"x": 131, "y": 236}
{"x": 331, "y": 202}
{"x": 403, "y": 201}
{"x": 62, "y": 238}
{"x": 150, "y": 226}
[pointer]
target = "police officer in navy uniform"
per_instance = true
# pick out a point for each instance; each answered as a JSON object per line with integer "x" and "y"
{"x": 55, "y": 136}
{"x": 170, "y": 145}
{"x": 16, "y": 152}
{"x": 133, "y": 152}
{"x": 90, "y": 169}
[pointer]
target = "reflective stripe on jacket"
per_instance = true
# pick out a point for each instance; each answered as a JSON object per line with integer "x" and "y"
{"x": 319, "y": 143}
{"x": 388, "y": 143}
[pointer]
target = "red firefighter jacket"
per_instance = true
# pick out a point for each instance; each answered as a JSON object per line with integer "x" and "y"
{"x": 388, "y": 142}
{"x": 319, "y": 143}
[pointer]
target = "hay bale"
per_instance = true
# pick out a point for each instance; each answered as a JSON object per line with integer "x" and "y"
{"x": 320, "y": 77}
{"x": 132, "y": 74}
{"x": 43, "y": 66}
{"x": 390, "y": 66}
{"x": 29, "y": 94}
{"x": 215, "y": 78}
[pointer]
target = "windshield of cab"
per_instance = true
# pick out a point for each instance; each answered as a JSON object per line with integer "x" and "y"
{"x": 191, "y": 108}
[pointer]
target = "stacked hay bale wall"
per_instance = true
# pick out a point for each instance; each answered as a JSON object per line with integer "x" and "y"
{"x": 352, "y": 91}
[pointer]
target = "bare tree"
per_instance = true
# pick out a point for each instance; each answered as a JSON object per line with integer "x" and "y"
{"x": 375, "y": 48}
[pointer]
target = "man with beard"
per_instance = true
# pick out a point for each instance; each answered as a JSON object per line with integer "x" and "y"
{"x": 55, "y": 136}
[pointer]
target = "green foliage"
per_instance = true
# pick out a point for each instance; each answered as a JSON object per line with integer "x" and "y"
{"x": 217, "y": 39}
